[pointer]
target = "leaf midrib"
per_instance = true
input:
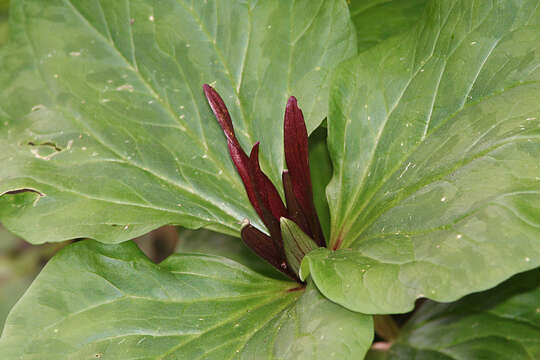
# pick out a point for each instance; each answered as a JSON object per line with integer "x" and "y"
{"x": 150, "y": 88}
{"x": 463, "y": 105}
{"x": 407, "y": 155}
{"x": 445, "y": 348}
{"x": 441, "y": 174}
{"x": 236, "y": 316}
{"x": 273, "y": 296}
{"x": 165, "y": 179}
{"x": 345, "y": 228}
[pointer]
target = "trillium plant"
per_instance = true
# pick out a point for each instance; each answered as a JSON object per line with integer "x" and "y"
{"x": 396, "y": 216}
{"x": 297, "y": 223}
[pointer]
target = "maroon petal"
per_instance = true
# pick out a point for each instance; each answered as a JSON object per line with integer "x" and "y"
{"x": 296, "y": 152}
{"x": 272, "y": 208}
{"x": 297, "y": 158}
{"x": 263, "y": 246}
{"x": 267, "y": 191}
{"x": 220, "y": 111}
{"x": 295, "y": 212}
{"x": 238, "y": 155}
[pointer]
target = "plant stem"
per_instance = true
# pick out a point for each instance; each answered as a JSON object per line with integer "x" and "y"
{"x": 386, "y": 327}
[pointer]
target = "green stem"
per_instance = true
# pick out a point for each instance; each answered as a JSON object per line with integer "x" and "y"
{"x": 386, "y": 327}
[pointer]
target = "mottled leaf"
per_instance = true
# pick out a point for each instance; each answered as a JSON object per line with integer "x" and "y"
{"x": 104, "y": 124}
{"x": 434, "y": 138}
{"x": 377, "y": 20}
{"x": 503, "y": 323}
{"x": 110, "y": 301}
{"x": 211, "y": 243}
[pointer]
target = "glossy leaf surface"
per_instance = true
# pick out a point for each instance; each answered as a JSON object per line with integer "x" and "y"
{"x": 435, "y": 145}
{"x": 503, "y": 323}
{"x": 109, "y": 301}
{"x": 296, "y": 243}
{"x": 321, "y": 173}
{"x": 104, "y": 120}
{"x": 211, "y": 243}
{"x": 377, "y": 20}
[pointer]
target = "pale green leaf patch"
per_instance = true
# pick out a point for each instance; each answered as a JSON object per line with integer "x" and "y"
{"x": 503, "y": 323}
{"x": 103, "y": 119}
{"x": 110, "y": 301}
{"x": 435, "y": 145}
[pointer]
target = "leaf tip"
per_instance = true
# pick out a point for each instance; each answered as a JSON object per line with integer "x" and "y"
{"x": 305, "y": 269}
{"x": 284, "y": 225}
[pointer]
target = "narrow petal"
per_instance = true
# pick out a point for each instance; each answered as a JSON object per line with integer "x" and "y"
{"x": 220, "y": 111}
{"x": 267, "y": 191}
{"x": 297, "y": 158}
{"x": 238, "y": 155}
{"x": 295, "y": 211}
{"x": 296, "y": 152}
{"x": 263, "y": 246}
{"x": 263, "y": 187}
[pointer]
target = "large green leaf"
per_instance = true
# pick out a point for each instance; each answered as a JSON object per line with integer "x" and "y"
{"x": 19, "y": 265}
{"x": 377, "y": 20}
{"x": 503, "y": 323}
{"x": 211, "y": 243}
{"x": 15, "y": 275}
{"x": 434, "y": 138}
{"x": 103, "y": 113}
{"x": 109, "y": 301}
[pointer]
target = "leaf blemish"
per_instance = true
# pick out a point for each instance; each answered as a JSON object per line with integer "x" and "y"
{"x": 48, "y": 143}
{"x": 37, "y": 107}
{"x": 125, "y": 87}
{"x": 23, "y": 190}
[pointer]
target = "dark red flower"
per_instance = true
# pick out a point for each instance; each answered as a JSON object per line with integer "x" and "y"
{"x": 262, "y": 193}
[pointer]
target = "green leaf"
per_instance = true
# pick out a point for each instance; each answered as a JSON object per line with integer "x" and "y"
{"x": 19, "y": 265}
{"x": 377, "y": 20}
{"x": 321, "y": 173}
{"x": 109, "y": 301}
{"x": 503, "y": 323}
{"x": 434, "y": 138}
{"x": 15, "y": 274}
{"x": 295, "y": 242}
{"x": 103, "y": 116}
{"x": 211, "y": 243}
